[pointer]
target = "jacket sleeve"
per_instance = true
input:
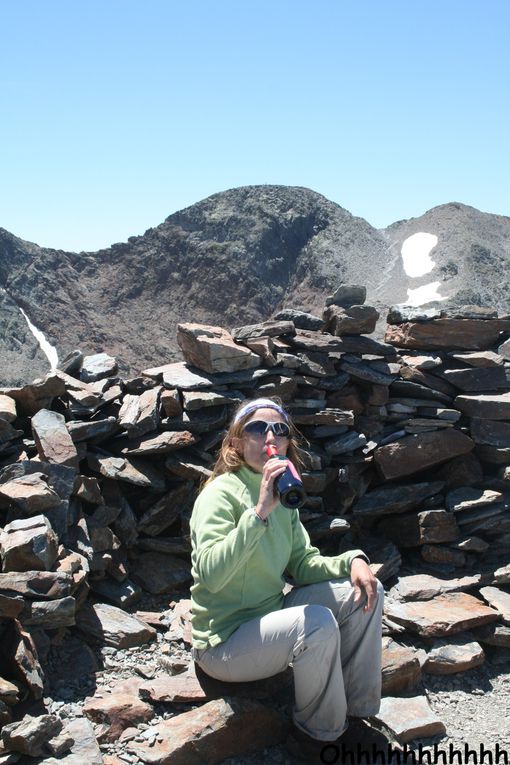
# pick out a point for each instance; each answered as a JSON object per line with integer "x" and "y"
{"x": 222, "y": 545}
{"x": 307, "y": 566}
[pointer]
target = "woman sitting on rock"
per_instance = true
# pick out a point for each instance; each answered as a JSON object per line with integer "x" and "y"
{"x": 328, "y": 627}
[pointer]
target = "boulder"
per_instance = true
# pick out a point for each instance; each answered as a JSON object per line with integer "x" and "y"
{"x": 53, "y": 441}
{"x": 28, "y": 545}
{"x": 442, "y": 615}
{"x": 213, "y": 349}
{"x": 97, "y": 366}
{"x": 457, "y": 334}
{"x": 416, "y": 452}
{"x": 347, "y": 295}
{"x": 212, "y": 733}
{"x": 409, "y": 718}
{"x": 112, "y": 626}
{"x": 356, "y": 320}
{"x": 30, "y": 735}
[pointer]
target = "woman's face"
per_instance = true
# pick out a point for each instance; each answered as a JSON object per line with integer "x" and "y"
{"x": 252, "y": 447}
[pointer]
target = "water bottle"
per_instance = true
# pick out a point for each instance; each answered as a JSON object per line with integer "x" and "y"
{"x": 288, "y": 485}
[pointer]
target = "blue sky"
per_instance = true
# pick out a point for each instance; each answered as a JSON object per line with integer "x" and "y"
{"x": 115, "y": 113}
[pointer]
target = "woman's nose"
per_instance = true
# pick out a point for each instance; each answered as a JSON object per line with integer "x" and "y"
{"x": 270, "y": 438}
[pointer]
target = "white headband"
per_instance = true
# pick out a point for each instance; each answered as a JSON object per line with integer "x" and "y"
{"x": 259, "y": 403}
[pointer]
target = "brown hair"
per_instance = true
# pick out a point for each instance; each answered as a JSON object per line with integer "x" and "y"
{"x": 229, "y": 460}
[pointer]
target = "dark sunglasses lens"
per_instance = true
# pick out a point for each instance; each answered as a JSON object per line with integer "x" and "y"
{"x": 256, "y": 428}
{"x": 260, "y": 428}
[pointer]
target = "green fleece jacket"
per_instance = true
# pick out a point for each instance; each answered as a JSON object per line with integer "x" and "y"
{"x": 238, "y": 561}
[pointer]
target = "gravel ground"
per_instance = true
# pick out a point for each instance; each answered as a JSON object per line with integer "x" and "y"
{"x": 474, "y": 705}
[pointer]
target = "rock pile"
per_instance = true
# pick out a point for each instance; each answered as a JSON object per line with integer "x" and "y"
{"x": 405, "y": 452}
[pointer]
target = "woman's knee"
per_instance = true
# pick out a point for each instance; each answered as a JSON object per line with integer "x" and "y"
{"x": 319, "y": 624}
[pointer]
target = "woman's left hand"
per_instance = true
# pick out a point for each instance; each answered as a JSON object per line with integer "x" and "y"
{"x": 362, "y": 579}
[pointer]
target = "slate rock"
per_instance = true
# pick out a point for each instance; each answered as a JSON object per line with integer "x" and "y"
{"x": 213, "y": 349}
{"x": 171, "y": 402}
{"x": 28, "y": 544}
{"x": 447, "y": 657}
{"x": 498, "y": 599}
{"x": 426, "y": 586}
{"x": 479, "y": 359}
{"x": 119, "y": 707}
{"x": 52, "y": 439}
{"x": 38, "y": 395}
{"x": 356, "y": 320}
{"x": 416, "y": 452}
{"x": 309, "y": 340}
{"x": 467, "y": 498}
{"x": 49, "y": 614}
{"x": 347, "y": 295}
{"x": 22, "y": 653}
{"x": 300, "y": 319}
{"x": 162, "y": 443}
{"x": 166, "y": 510}
{"x": 94, "y": 431}
{"x": 485, "y": 406}
{"x": 395, "y": 499}
{"x": 399, "y": 314}
{"x": 409, "y": 718}
{"x": 443, "y": 555}
{"x": 457, "y": 334}
{"x": 84, "y": 751}
{"x": 270, "y": 328}
{"x": 490, "y": 432}
{"x": 425, "y": 527}
{"x": 158, "y": 574}
{"x": 30, "y": 494}
{"x": 140, "y": 414}
{"x": 213, "y": 732}
{"x": 401, "y": 669}
{"x": 29, "y": 735}
{"x": 7, "y": 408}
{"x": 442, "y": 615}
{"x": 97, "y": 366}
{"x": 480, "y": 379}
{"x": 177, "y": 689}
{"x": 112, "y": 626}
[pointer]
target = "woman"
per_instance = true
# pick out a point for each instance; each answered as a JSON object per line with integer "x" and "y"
{"x": 243, "y": 540}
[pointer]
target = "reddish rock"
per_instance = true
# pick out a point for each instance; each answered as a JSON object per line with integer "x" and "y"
{"x": 498, "y": 599}
{"x": 119, "y": 709}
{"x": 29, "y": 493}
{"x": 444, "y": 615}
{"x": 212, "y": 733}
{"x": 447, "y": 657}
{"x": 409, "y": 718}
{"x": 213, "y": 349}
{"x": 425, "y": 586}
{"x": 140, "y": 414}
{"x": 113, "y": 626}
{"x": 29, "y": 544}
{"x": 442, "y": 554}
{"x": 450, "y": 334}
{"x": 53, "y": 441}
{"x": 174, "y": 689}
{"x": 401, "y": 669}
{"x": 416, "y": 452}
{"x": 171, "y": 403}
{"x": 356, "y": 320}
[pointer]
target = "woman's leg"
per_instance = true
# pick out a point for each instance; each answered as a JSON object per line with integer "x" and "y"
{"x": 360, "y": 640}
{"x": 307, "y": 636}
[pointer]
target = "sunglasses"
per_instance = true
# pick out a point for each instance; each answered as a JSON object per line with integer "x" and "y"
{"x": 260, "y": 428}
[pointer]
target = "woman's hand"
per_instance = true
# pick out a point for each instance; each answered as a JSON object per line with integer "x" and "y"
{"x": 362, "y": 579}
{"x": 268, "y": 499}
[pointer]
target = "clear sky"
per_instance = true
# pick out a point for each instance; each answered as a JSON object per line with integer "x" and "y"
{"x": 116, "y": 113}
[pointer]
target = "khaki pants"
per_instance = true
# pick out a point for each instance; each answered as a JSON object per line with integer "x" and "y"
{"x": 332, "y": 645}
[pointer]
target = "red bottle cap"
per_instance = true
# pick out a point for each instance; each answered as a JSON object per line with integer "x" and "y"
{"x": 271, "y": 450}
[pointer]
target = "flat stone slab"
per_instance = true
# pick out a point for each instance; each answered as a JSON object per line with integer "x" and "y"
{"x": 426, "y": 587}
{"x": 425, "y": 527}
{"x": 485, "y": 406}
{"x": 409, "y": 718}
{"x": 157, "y": 573}
{"x": 29, "y": 493}
{"x": 7, "y": 408}
{"x": 52, "y": 439}
{"x": 401, "y": 669}
{"x": 112, "y": 626}
{"x": 498, "y": 599}
{"x": 416, "y": 452}
{"x": 119, "y": 708}
{"x": 450, "y": 334}
{"x": 212, "y": 733}
{"x": 97, "y": 366}
{"x": 396, "y": 499}
{"x": 480, "y": 359}
{"x": 489, "y": 379}
{"x": 447, "y": 657}
{"x": 469, "y": 498}
{"x": 270, "y": 328}
{"x": 490, "y": 432}
{"x": 213, "y": 349}
{"x": 443, "y": 615}
{"x": 173, "y": 689}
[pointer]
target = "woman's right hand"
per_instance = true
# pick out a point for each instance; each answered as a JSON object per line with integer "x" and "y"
{"x": 268, "y": 498}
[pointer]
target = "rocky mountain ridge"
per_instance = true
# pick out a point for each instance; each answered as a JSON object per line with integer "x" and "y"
{"x": 234, "y": 258}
